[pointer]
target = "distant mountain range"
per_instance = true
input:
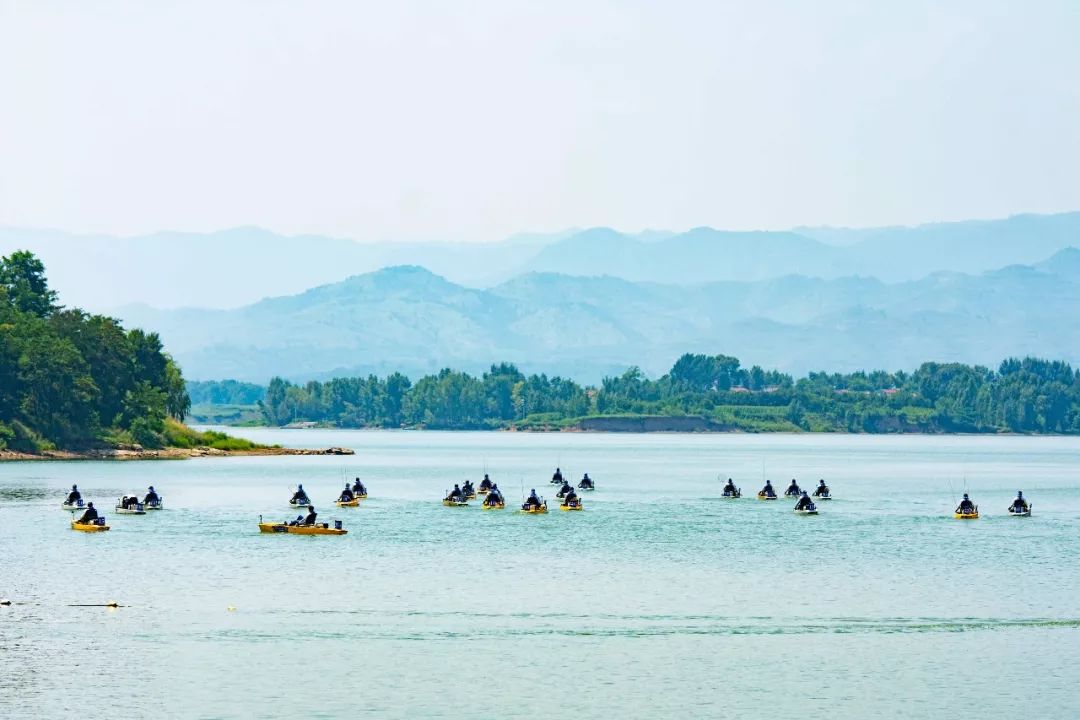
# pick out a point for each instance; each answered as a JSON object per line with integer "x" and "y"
{"x": 410, "y": 319}
{"x": 240, "y": 266}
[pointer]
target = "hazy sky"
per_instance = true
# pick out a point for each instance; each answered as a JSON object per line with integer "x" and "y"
{"x": 470, "y": 121}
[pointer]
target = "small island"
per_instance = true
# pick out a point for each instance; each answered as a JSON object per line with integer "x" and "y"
{"x": 80, "y": 386}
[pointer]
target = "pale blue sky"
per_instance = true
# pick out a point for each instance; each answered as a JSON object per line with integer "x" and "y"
{"x": 471, "y": 121}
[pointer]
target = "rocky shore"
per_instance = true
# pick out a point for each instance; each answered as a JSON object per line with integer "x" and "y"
{"x": 139, "y": 453}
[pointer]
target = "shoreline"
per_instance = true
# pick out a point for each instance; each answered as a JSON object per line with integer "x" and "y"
{"x": 164, "y": 453}
{"x": 610, "y": 431}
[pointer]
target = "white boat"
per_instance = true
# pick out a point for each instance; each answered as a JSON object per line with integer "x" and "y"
{"x": 812, "y": 510}
{"x": 1025, "y": 512}
{"x": 136, "y": 508}
{"x": 732, "y": 496}
{"x": 79, "y": 504}
{"x": 299, "y": 504}
{"x": 158, "y": 504}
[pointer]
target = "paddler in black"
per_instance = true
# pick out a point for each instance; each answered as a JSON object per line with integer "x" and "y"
{"x": 455, "y": 494}
{"x": 793, "y": 488}
{"x": 89, "y": 516}
{"x": 495, "y": 496}
{"x": 805, "y": 503}
{"x": 151, "y": 496}
{"x": 346, "y": 494}
{"x": 468, "y": 489}
{"x": 586, "y": 482}
{"x": 768, "y": 491}
{"x": 311, "y": 515}
{"x": 822, "y": 489}
{"x": 966, "y": 506}
{"x": 566, "y": 488}
{"x": 730, "y": 488}
{"x": 74, "y": 496}
{"x": 358, "y": 488}
{"x": 570, "y": 498}
{"x": 299, "y": 497}
{"x": 557, "y": 478}
{"x": 485, "y": 484}
{"x": 533, "y": 500}
{"x": 1019, "y": 504}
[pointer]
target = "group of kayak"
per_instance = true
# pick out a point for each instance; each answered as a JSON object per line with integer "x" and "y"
{"x": 533, "y": 505}
{"x": 92, "y": 521}
{"x": 349, "y": 497}
{"x": 586, "y": 483}
{"x": 968, "y": 510}
{"x": 309, "y": 524}
{"x": 804, "y": 505}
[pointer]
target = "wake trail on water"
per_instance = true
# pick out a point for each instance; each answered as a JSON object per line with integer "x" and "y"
{"x": 518, "y": 625}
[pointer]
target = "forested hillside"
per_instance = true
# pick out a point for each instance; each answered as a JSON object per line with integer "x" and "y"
{"x": 1023, "y": 396}
{"x": 69, "y": 379}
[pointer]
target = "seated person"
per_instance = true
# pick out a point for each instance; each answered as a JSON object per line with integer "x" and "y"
{"x": 768, "y": 491}
{"x": 730, "y": 488}
{"x": 586, "y": 482}
{"x": 570, "y": 499}
{"x": 358, "y": 488}
{"x": 74, "y": 496}
{"x": 966, "y": 506}
{"x": 299, "y": 497}
{"x": 485, "y": 484}
{"x": 566, "y": 488}
{"x": 822, "y": 489}
{"x": 805, "y": 503}
{"x": 346, "y": 494}
{"x": 89, "y": 516}
{"x": 311, "y": 515}
{"x": 533, "y": 500}
{"x": 456, "y": 494}
{"x": 557, "y": 478}
{"x": 151, "y": 496}
{"x": 1019, "y": 504}
{"x": 793, "y": 488}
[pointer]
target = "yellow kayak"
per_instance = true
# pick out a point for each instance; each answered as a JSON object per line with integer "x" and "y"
{"x": 355, "y": 502}
{"x": 571, "y": 507}
{"x": 967, "y": 515}
{"x": 763, "y": 496}
{"x": 88, "y": 527}
{"x": 320, "y": 529}
{"x": 455, "y": 503}
{"x": 493, "y": 506}
{"x": 535, "y": 510}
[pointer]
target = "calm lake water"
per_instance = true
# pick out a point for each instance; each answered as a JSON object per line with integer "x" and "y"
{"x": 660, "y": 600}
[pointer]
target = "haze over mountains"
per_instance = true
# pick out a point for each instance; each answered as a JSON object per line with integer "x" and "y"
{"x": 586, "y": 303}
{"x": 406, "y": 318}
{"x": 236, "y": 267}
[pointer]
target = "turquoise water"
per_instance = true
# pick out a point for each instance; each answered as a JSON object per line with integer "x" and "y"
{"x": 660, "y": 600}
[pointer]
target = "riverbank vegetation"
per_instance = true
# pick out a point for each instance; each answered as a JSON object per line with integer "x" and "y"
{"x": 1022, "y": 396}
{"x": 70, "y": 380}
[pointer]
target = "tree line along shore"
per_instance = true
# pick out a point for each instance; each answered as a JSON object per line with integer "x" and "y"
{"x": 699, "y": 393}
